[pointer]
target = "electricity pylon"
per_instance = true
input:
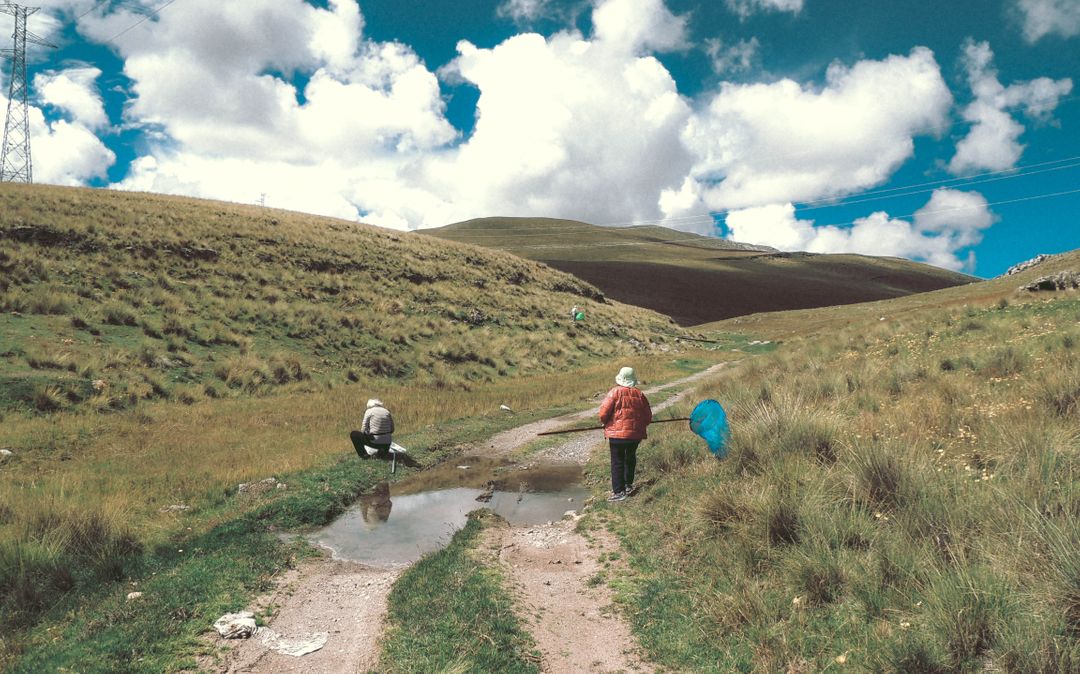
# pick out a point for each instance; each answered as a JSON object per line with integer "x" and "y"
{"x": 15, "y": 163}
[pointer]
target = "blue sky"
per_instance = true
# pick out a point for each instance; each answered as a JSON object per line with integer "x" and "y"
{"x": 943, "y": 132}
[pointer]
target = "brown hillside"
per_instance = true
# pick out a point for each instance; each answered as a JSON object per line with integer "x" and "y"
{"x": 696, "y": 279}
{"x": 803, "y": 322}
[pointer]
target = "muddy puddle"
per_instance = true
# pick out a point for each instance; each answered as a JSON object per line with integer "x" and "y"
{"x": 397, "y": 524}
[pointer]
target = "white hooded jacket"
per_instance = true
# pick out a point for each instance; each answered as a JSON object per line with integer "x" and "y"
{"x": 378, "y": 423}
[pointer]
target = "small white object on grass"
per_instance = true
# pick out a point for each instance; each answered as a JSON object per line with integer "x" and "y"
{"x": 505, "y": 408}
{"x": 236, "y": 625}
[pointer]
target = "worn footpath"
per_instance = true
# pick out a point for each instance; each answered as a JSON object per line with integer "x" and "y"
{"x": 342, "y": 605}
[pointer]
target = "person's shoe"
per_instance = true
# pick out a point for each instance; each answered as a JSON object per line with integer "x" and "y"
{"x": 621, "y": 496}
{"x": 630, "y": 490}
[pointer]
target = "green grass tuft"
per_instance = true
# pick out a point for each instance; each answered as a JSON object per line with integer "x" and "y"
{"x": 450, "y": 612}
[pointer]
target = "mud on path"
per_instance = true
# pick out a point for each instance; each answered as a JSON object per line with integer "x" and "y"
{"x": 572, "y": 620}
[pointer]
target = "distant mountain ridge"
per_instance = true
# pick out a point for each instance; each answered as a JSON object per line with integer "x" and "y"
{"x": 697, "y": 279}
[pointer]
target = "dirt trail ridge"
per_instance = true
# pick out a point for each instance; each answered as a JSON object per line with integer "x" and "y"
{"x": 572, "y": 620}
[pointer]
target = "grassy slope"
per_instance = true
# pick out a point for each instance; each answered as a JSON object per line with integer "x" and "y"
{"x": 160, "y": 297}
{"x": 901, "y": 495}
{"x": 158, "y": 351}
{"x": 698, "y": 279}
{"x": 786, "y": 324}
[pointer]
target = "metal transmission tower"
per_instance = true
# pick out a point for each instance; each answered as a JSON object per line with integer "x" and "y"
{"x": 15, "y": 164}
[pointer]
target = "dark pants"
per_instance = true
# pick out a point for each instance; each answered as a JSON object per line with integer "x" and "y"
{"x": 360, "y": 439}
{"x": 623, "y": 463}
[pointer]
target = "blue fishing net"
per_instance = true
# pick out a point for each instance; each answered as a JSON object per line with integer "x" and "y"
{"x": 710, "y": 422}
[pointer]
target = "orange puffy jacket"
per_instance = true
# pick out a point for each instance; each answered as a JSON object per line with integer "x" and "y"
{"x": 625, "y": 414}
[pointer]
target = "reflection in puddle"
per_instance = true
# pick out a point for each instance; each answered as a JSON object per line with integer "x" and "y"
{"x": 386, "y": 529}
{"x": 478, "y": 472}
{"x": 375, "y": 507}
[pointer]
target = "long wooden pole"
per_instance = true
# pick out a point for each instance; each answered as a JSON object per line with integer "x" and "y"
{"x": 593, "y": 428}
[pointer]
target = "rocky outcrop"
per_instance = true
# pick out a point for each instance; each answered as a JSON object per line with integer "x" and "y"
{"x": 1027, "y": 264}
{"x": 1063, "y": 280}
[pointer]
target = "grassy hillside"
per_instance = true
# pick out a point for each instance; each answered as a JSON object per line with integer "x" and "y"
{"x": 696, "y": 279}
{"x": 901, "y": 495}
{"x": 786, "y": 324}
{"x": 157, "y": 352}
{"x": 108, "y": 298}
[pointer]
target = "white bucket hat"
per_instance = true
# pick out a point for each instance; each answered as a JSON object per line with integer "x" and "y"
{"x": 626, "y": 377}
{"x": 374, "y": 402}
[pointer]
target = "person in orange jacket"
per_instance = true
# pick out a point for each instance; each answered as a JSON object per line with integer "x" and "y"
{"x": 625, "y": 414}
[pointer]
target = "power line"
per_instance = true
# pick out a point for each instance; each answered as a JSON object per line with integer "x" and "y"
{"x": 981, "y": 178}
{"x": 96, "y": 5}
{"x": 932, "y": 189}
{"x": 1003, "y": 202}
{"x": 1016, "y": 172}
{"x": 153, "y": 12}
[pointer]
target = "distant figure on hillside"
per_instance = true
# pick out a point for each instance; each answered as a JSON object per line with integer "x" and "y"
{"x": 577, "y": 314}
{"x": 625, "y": 414}
{"x": 376, "y": 431}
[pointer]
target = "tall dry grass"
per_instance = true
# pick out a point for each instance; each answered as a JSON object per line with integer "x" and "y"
{"x": 88, "y": 491}
{"x": 899, "y": 499}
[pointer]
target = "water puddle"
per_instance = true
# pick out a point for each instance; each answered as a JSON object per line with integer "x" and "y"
{"x": 397, "y": 524}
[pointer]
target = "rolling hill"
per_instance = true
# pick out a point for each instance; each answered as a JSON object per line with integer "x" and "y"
{"x": 804, "y": 322}
{"x": 108, "y": 298}
{"x": 696, "y": 279}
{"x": 885, "y": 494}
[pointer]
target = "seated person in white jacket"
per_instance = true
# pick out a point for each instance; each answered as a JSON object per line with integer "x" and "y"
{"x": 376, "y": 432}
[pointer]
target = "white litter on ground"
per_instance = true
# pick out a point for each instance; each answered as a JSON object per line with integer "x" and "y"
{"x": 236, "y": 625}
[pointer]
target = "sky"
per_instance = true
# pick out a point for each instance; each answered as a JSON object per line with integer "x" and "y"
{"x": 943, "y": 132}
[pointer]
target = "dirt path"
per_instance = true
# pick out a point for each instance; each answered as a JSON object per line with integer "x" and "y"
{"x": 550, "y": 566}
{"x": 561, "y": 602}
{"x": 344, "y": 601}
{"x": 575, "y": 448}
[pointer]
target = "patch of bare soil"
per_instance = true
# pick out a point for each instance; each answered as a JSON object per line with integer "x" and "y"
{"x": 346, "y": 601}
{"x": 562, "y": 603}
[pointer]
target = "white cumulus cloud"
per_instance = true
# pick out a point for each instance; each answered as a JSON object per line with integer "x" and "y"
{"x": 993, "y": 142}
{"x": 760, "y": 144}
{"x": 745, "y": 8}
{"x": 567, "y": 127}
{"x": 74, "y": 91}
{"x": 1049, "y": 17}
{"x": 732, "y": 59}
{"x": 292, "y": 101}
{"x": 525, "y": 11}
{"x": 639, "y": 25}
{"x": 67, "y": 151}
{"x": 951, "y": 222}
{"x": 63, "y": 152}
